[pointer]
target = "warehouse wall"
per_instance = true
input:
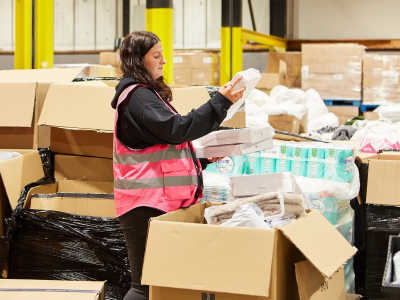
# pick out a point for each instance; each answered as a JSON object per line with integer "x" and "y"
{"x": 346, "y": 19}
{"x": 94, "y": 24}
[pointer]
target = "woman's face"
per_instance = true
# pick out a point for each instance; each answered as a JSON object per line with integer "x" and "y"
{"x": 154, "y": 61}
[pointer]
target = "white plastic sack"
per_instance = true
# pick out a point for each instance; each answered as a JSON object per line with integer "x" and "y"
{"x": 389, "y": 112}
{"x": 327, "y": 119}
{"x": 247, "y": 215}
{"x": 315, "y": 105}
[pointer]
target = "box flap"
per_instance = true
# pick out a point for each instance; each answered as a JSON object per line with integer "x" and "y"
{"x": 19, "y": 171}
{"x": 313, "y": 286}
{"x": 71, "y": 167}
{"x": 21, "y": 289}
{"x": 319, "y": 242}
{"x": 18, "y": 100}
{"x": 186, "y": 99}
{"x": 79, "y": 107}
{"x": 209, "y": 258}
{"x": 40, "y": 75}
{"x": 383, "y": 175}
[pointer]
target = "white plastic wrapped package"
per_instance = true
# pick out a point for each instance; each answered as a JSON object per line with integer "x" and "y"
{"x": 328, "y": 119}
{"x": 217, "y": 187}
{"x": 247, "y": 215}
{"x": 5, "y": 155}
{"x": 250, "y": 78}
{"x": 389, "y": 112}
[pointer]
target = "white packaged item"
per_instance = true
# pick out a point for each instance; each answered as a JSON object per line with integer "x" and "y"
{"x": 231, "y": 150}
{"x": 4, "y": 155}
{"x": 236, "y": 136}
{"x": 396, "y": 264}
{"x": 250, "y": 78}
{"x": 249, "y": 185}
{"x": 247, "y": 215}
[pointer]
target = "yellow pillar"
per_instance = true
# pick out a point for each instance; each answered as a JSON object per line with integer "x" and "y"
{"x": 44, "y": 36}
{"x": 23, "y": 34}
{"x": 231, "y": 40}
{"x": 226, "y": 55}
{"x": 160, "y": 20}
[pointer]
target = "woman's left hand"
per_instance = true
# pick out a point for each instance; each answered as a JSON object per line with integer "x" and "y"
{"x": 214, "y": 159}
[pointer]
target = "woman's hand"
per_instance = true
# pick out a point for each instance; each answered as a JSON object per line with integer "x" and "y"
{"x": 228, "y": 90}
{"x": 214, "y": 159}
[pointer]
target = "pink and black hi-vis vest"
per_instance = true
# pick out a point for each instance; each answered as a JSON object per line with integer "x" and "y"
{"x": 161, "y": 176}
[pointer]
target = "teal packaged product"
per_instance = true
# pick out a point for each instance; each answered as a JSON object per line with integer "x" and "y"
{"x": 300, "y": 161}
{"x": 316, "y": 164}
{"x": 251, "y": 163}
{"x": 267, "y": 165}
{"x": 343, "y": 159}
{"x": 284, "y": 162}
{"x": 330, "y": 164}
{"x": 230, "y": 165}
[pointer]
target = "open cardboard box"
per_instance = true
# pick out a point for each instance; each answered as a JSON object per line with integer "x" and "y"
{"x": 383, "y": 173}
{"x": 186, "y": 259}
{"x": 78, "y": 119}
{"x": 83, "y": 186}
{"x": 23, "y": 93}
{"x": 21, "y": 289}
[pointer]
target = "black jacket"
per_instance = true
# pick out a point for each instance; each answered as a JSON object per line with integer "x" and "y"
{"x": 144, "y": 120}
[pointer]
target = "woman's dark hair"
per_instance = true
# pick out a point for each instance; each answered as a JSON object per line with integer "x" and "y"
{"x": 132, "y": 51}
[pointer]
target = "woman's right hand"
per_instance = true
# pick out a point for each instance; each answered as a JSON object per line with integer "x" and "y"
{"x": 228, "y": 90}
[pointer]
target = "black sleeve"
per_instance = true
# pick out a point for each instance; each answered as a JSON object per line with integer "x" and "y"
{"x": 204, "y": 162}
{"x": 170, "y": 128}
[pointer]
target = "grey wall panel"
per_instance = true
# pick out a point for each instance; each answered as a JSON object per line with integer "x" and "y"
{"x": 85, "y": 22}
{"x": 63, "y": 25}
{"x": 106, "y": 24}
{"x": 6, "y": 25}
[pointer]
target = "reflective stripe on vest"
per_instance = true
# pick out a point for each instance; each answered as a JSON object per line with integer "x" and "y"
{"x": 160, "y": 176}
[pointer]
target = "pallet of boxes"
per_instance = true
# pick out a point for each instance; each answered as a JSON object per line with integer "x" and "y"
{"x": 335, "y": 71}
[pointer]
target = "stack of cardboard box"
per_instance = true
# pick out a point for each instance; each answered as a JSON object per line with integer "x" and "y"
{"x": 381, "y": 78}
{"x": 196, "y": 67}
{"x": 334, "y": 70}
{"x": 293, "y": 63}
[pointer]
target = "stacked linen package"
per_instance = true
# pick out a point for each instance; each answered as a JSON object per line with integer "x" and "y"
{"x": 234, "y": 142}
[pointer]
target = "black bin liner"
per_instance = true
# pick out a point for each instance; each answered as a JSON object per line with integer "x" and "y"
{"x": 372, "y": 235}
{"x": 54, "y": 245}
{"x": 389, "y": 289}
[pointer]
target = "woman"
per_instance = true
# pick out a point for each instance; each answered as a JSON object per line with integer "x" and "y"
{"x": 155, "y": 166}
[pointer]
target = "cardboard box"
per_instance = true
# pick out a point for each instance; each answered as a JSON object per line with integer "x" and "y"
{"x": 23, "y": 93}
{"x": 381, "y": 78}
{"x": 196, "y": 67}
{"x": 344, "y": 113}
{"x": 187, "y": 259}
{"x": 270, "y": 80}
{"x": 17, "y": 172}
{"x": 383, "y": 171}
{"x": 334, "y": 70}
{"x": 370, "y": 115}
{"x": 112, "y": 59}
{"x": 293, "y": 62}
{"x": 84, "y": 185}
{"x": 78, "y": 119}
{"x": 21, "y": 289}
{"x": 288, "y": 123}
